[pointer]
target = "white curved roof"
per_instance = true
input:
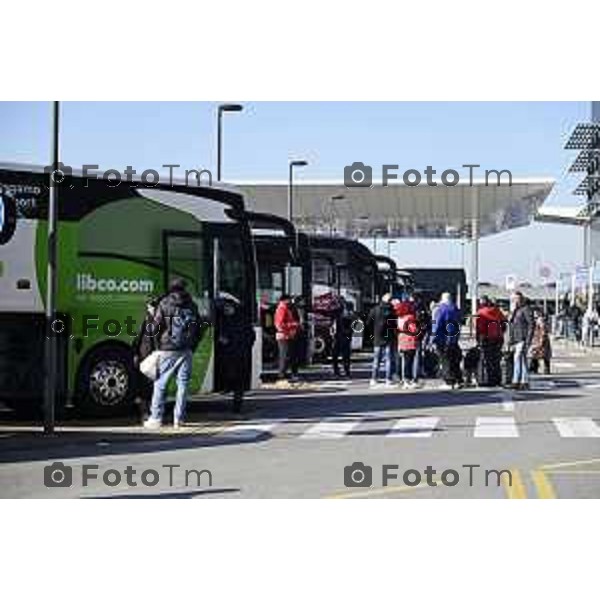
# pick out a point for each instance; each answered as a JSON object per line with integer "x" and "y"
{"x": 398, "y": 210}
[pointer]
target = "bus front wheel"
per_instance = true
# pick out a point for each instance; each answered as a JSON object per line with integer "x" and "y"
{"x": 107, "y": 382}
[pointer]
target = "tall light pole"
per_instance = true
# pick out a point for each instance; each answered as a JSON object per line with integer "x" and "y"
{"x": 50, "y": 347}
{"x": 290, "y": 207}
{"x": 220, "y": 110}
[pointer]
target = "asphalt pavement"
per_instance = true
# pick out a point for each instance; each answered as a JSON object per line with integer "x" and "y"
{"x": 329, "y": 438}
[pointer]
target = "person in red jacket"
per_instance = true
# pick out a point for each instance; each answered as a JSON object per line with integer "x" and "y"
{"x": 490, "y": 327}
{"x": 409, "y": 333}
{"x": 287, "y": 325}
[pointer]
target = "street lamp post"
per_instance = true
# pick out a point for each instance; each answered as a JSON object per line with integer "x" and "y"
{"x": 50, "y": 347}
{"x": 220, "y": 110}
{"x": 290, "y": 207}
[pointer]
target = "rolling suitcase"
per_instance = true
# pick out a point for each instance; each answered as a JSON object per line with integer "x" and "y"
{"x": 431, "y": 364}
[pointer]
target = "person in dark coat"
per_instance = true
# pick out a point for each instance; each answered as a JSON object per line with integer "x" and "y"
{"x": 384, "y": 334}
{"x": 179, "y": 331}
{"x": 341, "y": 334}
{"x": 143, "y": 345}
{"x": 521, "y": 329}
{"x": 235, "y": 338}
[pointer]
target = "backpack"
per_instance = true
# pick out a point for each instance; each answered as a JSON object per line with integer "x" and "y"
{"x": 182, "y": 325}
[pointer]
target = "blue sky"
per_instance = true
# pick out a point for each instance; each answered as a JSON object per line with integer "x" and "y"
{"x": 525, "y": 137}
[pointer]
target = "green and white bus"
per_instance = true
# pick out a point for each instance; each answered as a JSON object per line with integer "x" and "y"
{"x": 118, "y": 246}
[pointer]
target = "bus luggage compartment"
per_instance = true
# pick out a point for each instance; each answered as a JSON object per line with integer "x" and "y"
{"x": 22, "y": 337}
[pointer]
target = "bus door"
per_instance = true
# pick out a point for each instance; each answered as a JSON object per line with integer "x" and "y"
{"x": 189, "y": 255}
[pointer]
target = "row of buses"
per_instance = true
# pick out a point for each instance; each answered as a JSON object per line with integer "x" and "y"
{"x": 120, "y": 245}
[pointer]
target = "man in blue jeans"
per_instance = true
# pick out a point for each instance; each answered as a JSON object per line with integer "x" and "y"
{"x": 177, "y": 324}
{"x": 520, "y": 338}
{"x": 384, "y": 332}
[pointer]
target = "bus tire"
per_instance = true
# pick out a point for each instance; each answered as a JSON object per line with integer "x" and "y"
{"x": 107, "y": 382}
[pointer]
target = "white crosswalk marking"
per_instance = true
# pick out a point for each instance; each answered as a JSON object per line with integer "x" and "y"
{"x": 415, "y": 427}
{"x": 330, "y": 428}
{"x": 576, "y": 427}
{"x": 496, "y": 427}
{"x": 246, "y": 431}
{"x": 563, "y": 365}
{"x": 410, "y": 427}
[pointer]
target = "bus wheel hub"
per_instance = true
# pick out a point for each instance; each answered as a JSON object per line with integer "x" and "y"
{"x": 109, "y": 382}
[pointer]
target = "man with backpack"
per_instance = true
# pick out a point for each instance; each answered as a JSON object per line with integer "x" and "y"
{"x": 177, "y": 323}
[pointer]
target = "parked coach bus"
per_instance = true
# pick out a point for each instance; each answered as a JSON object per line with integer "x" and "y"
{"x": 117, "y": 248}
{"x": 283, "y": 267}
{"x": 342, "y": 268}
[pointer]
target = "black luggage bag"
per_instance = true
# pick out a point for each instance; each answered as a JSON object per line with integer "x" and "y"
{"x": 507, "y": 365}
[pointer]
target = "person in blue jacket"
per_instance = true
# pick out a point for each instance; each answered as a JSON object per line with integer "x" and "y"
{"x": 446, "y": 337}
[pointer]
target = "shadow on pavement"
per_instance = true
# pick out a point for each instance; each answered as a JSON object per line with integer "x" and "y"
{"x": 186, "y": 494}
{"x": 26, "y": 446}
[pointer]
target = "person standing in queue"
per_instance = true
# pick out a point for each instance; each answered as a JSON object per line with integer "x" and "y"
{"x": 178, "y": 324}
{"x": 143, "y": 345}
{"x": 446, "y": 337}
{"x": 521, "y": 330}
{"x": 490, "y": 328}
{"x": 287, "y": 325}
{"x": 235, "y": 338}
{"x": 409, "y": 333}
{"x": 541, "y": 348}
{"x": 384, "y": 329}
{"x": 424, "y": 321}
{"x": 342, "y": 337}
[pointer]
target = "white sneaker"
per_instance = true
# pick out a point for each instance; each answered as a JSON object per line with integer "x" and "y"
{"x": 152, "y": 424}
{"x": 390, "y": 384}
{"x": 373, "y": 382}
{"x": 445, "y": 387}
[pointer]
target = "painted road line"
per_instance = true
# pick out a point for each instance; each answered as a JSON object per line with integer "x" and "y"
{"x": 595, "y": 365}
{"x": 544, "y": 489}
{"x": 563, "y": 365}
{"x": 330, "y": 429}
{"x": 382, "y": 491}
{"x": 543, "y": 386}
{"x": 574, "y": 463}
{"x": 576, "y": 427}
{"x": 246, "y": 431}
{"x": 496, "y": 427}
{"x": 513, "y": 485}
{"x": 508, "y": 403}
{"x": 414, "y": 427}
